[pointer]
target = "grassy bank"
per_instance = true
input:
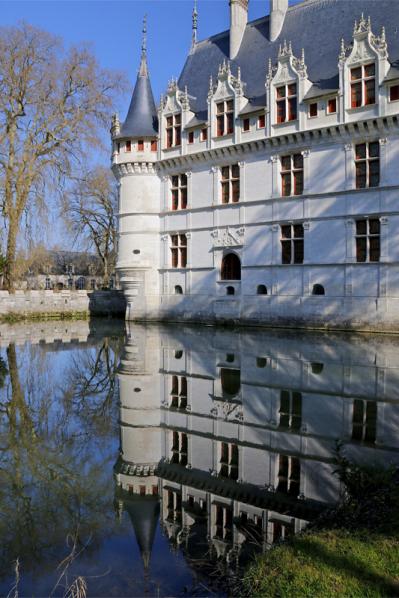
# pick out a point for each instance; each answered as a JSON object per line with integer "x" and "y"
{"x": 352, "y": 550}
{"x": 12, "y": 318}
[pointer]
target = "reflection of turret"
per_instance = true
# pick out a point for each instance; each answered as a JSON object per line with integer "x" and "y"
{"x": 140, "y": 442}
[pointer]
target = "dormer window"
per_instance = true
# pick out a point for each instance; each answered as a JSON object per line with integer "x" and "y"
{"x": 224, "y": 118}
{"x": 140, "y": 145}
{"x": 204, "y": 134}
{"x": 191, "y": 137}
{"x": 363, "y": 85}
{"x": 154, "y": 145}
{"x": 173, "y": 130}
{"x": 313, "y": 110}
{"x": 128, "y": 146}
{"x": 286, "y": 103}
{"x": 394, "y": 93}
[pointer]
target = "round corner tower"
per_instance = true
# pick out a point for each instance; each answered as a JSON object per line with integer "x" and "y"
{"x": 134, "y": 156}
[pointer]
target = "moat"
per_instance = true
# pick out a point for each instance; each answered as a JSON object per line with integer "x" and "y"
{"x": 158, "y": 460}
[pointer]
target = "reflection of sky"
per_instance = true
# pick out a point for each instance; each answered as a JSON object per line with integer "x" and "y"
{"x": 111, "y": 563}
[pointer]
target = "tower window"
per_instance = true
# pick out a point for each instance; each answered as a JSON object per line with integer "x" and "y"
{"x": 224, "y": 118}
{"x": 191, "y": 137}
{"x": 362, "y": 85}
{"x": 394, "y": 93}
{"x": 292, "y": 175}
{"x": 367, "y": 164}
{"x": 178, "y": 251}
{"x": 204, "y": 134}
{"x": 230, "y": 381}
{"x": 246, "y": 124}
{"x": 313, "y": 110}
{"x": 173, "y": 130}
{"x": 128, "y": 146}
{"x": 368, "y": 240}
{"x": 179, "y": 191}
{"x": 261, "y": 121}
{"x": 140, "y": 145}
{"x": 286, "y": 103}
{"x": 154, "y": 145}
{"x": 292, "y": 244}
{"x": 332, "y": 106}
{"x": 261, "y": 290}
{"x": 230, "y": 183}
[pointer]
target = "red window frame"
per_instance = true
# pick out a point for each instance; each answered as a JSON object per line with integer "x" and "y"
{"x": 362, "y": 82}
{"x": 224, "y": 118}
{"x": 286, "y": 103}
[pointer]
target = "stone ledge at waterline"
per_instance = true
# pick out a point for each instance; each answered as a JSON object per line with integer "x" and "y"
{"x": 32, "y": 304}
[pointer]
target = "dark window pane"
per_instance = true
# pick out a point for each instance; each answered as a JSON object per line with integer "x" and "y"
{"x": 361, "y": 170}
{"x": 230, "y": 105}
{"x": 298, "y": 252}
{"x": 298, "y": 183}
{"x": 280, "y": 92}
{"x": 361, "y": 249}
{"x": 286, "y": 185}
{"x": 356, "y": 95}
{"x": 281, "y": 111}
{"x": 356, "y": 73}
{"x": 361, "y": 227}
{"x": 360, "y": 151}
{"x": 369, "y": 70}
{"x": 235, "y": 171}
{"x": 292, "y": 114}
{"x": 394, "y": 93}
{"x": 235, "y": 186}
{"x": 374, "y": 249}
{"x": 183, "y": 257}
{"x": 225, "y": 192}
{"x": 286, "y": 252}
{"x": 230, "y": 123}
{"x": 369, "y": 91}
{"x": 298, "y": 161}
{"x": 225, "y": 172}
{"x": 298, "y": 230}
{"x": 292, "y": 89}
{"x": 286, "y": 231}
{"x": 374, "y": 226}
{"x": 374, "y": 149}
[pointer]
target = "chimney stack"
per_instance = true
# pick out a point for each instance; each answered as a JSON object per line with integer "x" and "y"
{"x": 238, "y": 21}
{"x": 278, "y": 8}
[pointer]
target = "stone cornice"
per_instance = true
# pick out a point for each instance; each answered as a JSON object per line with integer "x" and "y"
{"x": 347, "y": 132}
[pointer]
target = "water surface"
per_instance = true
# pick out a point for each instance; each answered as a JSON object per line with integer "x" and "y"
{"x": 158, "y": 460}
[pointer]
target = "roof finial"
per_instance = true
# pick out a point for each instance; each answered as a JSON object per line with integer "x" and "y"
{"x": 143, "y": 72}
{"x": 195, "y": 23}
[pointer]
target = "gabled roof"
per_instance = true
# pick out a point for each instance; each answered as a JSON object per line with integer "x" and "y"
{"x": 315, "y": 25}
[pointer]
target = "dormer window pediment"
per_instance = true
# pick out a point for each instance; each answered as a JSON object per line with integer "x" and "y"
{"x": 364, "y": 64}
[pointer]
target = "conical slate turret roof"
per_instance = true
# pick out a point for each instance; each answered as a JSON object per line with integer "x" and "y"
{"x": 141, "y": 120}
{"x": 144, "y": 512}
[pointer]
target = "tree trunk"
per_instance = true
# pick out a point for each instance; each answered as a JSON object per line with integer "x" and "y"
{"x": 105, "y": 275}
{"x": 9, "y": 270}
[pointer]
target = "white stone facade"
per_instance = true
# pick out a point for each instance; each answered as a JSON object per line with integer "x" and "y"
{"x": 179, "y": 218}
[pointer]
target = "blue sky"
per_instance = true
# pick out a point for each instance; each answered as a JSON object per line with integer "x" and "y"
{"x": 113, "y": 28}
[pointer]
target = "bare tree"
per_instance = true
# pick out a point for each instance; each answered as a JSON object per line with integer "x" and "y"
{"x": 90, "y": 211}
{"x": 52, "y": 105}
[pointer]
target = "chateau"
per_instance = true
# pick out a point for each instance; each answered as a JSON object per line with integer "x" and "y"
{"x": 264, "y": 188}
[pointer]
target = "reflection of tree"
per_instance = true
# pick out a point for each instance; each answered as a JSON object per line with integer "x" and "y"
{"x": 53, "y": 479}
{"x": 92, "y": 385}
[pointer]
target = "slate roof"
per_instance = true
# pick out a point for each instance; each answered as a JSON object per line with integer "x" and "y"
{"x": 316, "y": 25}
{"x": 141, "y": 119}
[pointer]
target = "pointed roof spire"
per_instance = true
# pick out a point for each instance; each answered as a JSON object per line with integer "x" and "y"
{"x": 141, "y": 119}
{"x": 195, "y": 24}
{"x": 144, "y": 513}
{"x": 143, "y": 71}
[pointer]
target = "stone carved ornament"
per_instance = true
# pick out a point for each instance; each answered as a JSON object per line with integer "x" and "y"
{"x": 228, "y": 237}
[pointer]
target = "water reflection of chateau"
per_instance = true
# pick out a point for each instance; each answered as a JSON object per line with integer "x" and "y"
{"x": 233, "y": 434}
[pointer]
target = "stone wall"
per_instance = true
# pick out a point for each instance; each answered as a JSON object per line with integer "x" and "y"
{"x": 50, "y": 303}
